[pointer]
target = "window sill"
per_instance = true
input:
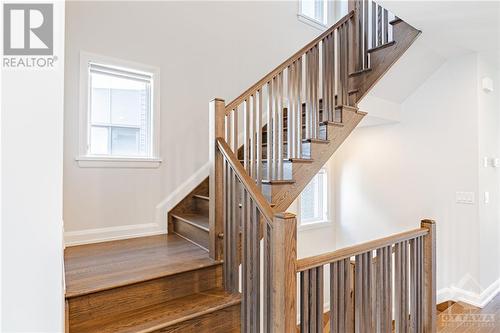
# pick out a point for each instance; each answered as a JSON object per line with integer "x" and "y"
{"x": 312, "y": 22}
{"x": 118, "y": 162}
{"x": 315, "y": 225}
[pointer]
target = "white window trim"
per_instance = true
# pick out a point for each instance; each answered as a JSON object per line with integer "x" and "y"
{"x": 327, "y": 222}
{"x": 322, "y": 26}
{"x": 86, "y": 160}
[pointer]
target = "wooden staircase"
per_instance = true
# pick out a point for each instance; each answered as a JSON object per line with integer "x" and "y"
{"x": 229, "y": 261}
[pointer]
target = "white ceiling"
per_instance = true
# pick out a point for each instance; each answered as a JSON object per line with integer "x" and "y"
{"x": 454, "y": 27}
{"x": 449, "y": 28}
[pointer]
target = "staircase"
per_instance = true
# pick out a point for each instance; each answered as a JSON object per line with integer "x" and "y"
{"x": 229, "y": 261}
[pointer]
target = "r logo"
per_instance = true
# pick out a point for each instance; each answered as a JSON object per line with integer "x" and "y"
{"x": 28, "y": 29}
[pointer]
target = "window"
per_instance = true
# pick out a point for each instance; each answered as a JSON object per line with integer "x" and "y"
{"x": 313, "y": 12}
{"x": 313, "y": 203}
{"x": 119, "y": 112}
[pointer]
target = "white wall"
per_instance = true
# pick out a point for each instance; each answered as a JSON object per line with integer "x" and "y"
{"x": 204, "y": 50}
{"x": 388, "y": 178}
{"x": 31, "y": 197}
{"x": 489, "y": 177}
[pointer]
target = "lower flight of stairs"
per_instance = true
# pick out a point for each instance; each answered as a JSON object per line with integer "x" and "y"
{"x": 149, "y": 284}
{"x": 189, "y": 219}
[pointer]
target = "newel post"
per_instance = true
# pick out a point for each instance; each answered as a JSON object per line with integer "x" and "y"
{"x": 429, "y": 276}
{"x": 284, "y": 273}
{"x": 216, "y": 130}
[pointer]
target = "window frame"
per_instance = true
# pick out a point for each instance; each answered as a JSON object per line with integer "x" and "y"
{"x": 85, "y": 159}
{"x": 320, "y": 25}
{"x": 326, "y": 220}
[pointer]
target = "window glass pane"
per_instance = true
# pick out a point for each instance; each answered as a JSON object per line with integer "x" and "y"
{"x": 125, "y": 141}
{"x": 128, "y": 106}
{"x": 308, "y": 201}
{"x": 313, "y": 200}
{"x": 314, "y": 9}
{"x": 99, "y": 140}
{"x": 100, "y": 107}
{"x": 121, "y": 102}
{"x": 308, "y": 8}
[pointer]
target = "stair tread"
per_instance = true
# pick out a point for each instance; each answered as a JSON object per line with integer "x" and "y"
{"x": 102, "y": 266}
{"x": 202, "y": 197}
{"x": 155, "y": 317}
{"x": 380, "y": 47}
{"x": 278, "y": 181}
{"x": 359, "y": 72}
{"x": 291, "y": 160}
{"x": 198, "y": 220}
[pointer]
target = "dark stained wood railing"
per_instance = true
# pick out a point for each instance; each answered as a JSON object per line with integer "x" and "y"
{"x": 362, "y": 280}
{"x": 258, "y": 244}
{"x": 258, "y": 239}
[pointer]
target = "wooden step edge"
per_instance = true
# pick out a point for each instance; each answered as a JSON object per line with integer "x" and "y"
{"x": 278, "y": 181}
{"x": 202, "y": 197}
{"x": 363, "y": 113}
{"x": 233, "y": 301}
{"x": 360, "y": 72}
{"x": 301, "y": 160}
{"x": 290, "y": 160}
{"x": 182, "y": 308}
{"x": 194, "y": 224}
{"x": 353, "y": 91}
{"x": 347, "y": 108}
{"x": 395, "y": 21}
{"x": 321, "y": 141}
{"x": 381, "y": 47}
{"x": 69, "y": 295}
{"x": 191, "y": 316}
{"x": 333, "y": 123}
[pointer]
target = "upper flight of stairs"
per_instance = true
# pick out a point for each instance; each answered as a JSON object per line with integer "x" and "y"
{"x": 149, "y": 284}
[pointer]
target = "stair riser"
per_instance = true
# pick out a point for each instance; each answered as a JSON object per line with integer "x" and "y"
{"x": 225, "y": 320}
{"x": 305, "y": 153}
{"x": 322, "y": 130}
{"x": 194, "y": 234}
{"x": 109, "y": 303}
{"x": 201, "y": 205}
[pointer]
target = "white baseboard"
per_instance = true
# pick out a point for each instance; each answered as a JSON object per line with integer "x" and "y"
{"x": 89, "y": 236}
{"x": 457, "y": 294}
{"x": 180, "y": 193}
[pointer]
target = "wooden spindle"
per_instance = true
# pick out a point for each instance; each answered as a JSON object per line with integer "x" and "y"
{"x": 252, "y": 137}
{"x": 269, "y": 135}
{"x": 279, "y": 105}
{"x": 386, "y": 26}
{"x": 374, "y": 25}
{"x": 246, "y": 136}
{"x": 259, "y": 125}
{"x": 304, "y": 301}
{"x": 298, "y": 136}
{"x": 365, "y": 33}
{"x": 379, "y": 25}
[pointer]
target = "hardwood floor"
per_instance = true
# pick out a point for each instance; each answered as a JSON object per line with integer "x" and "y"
{"x": 463, "y": 318}
{"x": 97, "y": 267}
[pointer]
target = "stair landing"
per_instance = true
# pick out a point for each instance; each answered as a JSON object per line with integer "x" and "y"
{"x": 96, "y": 267}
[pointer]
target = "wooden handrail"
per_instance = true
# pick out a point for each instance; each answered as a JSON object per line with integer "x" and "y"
{"x": 247, "y": 182}
{"x": 238, "y": 100}
{"x": 326, "y": 258}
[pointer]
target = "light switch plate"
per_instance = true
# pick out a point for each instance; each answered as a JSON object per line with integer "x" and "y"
{"x": 465, "y": 198}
